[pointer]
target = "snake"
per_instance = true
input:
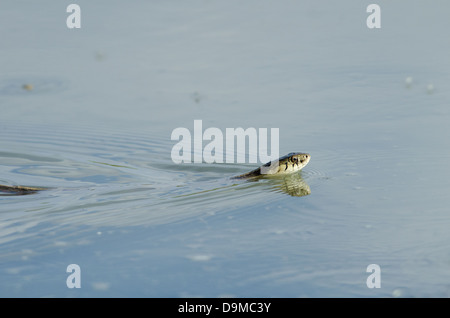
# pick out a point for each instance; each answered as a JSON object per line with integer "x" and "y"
{"x": 19, "y": 190}
{"x": 285, "y": 165}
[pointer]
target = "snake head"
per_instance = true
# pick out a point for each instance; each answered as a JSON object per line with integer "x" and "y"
{"x": 292, "y": 162}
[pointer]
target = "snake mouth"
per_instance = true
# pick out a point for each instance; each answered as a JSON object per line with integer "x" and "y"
{"x": 306, "y": 159}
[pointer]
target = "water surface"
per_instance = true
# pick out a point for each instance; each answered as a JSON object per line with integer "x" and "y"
{"x": 88, "y": 113}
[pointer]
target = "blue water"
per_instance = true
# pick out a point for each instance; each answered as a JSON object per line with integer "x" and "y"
{"x": 93, "y": 125}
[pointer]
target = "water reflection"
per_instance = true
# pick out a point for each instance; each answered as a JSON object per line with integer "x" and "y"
{"x": 293, "y": 184}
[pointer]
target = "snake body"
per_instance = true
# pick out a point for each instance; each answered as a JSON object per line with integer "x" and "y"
{"x": 18, "y": 190}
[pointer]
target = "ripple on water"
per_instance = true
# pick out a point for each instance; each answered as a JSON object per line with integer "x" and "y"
{"x": 104, "y": 177}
